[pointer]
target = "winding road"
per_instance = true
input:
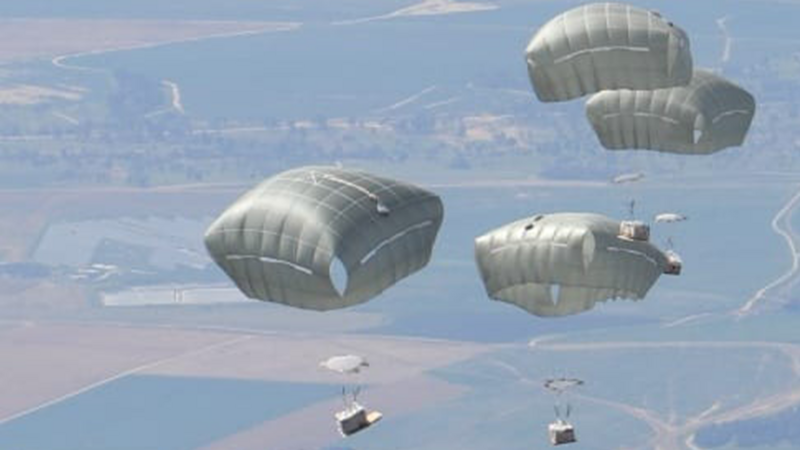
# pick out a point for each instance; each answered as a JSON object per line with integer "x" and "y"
{"x": 781, "y": 224}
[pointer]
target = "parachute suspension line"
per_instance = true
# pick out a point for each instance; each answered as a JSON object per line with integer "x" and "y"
{"x": 632, "y": 209}
{"x": 563, "y": 408}
{"x": 355, "y": 389}
{"x": 350, "y": 396}
{"x": 557, "y": 404}
{"x": 564, "y": 405}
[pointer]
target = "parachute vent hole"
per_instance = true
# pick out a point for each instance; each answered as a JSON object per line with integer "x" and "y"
{"x": 339, "y": 276}
{"x": 529, "y": 227}
{"x": 698, "y": 134}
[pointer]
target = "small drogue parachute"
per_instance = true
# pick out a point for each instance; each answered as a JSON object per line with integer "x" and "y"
{"x": 561, "y": 385}
{"x": 606, "y": 46}
{"x": 669, "y": 218}
{"x": 354, "y": 417}
{"x": 345, "y": 363}
{"x": 282, "y": 240}
{"x": 562, "y": 264}
{"x": 708, "y": 115}
{"x": 627, "y": 178}
{"x": 561, "y": 431}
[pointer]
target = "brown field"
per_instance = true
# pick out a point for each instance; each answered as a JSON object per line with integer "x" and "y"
{"x": 314, "y": 426}
{"x": 48, "y": 363}
{"x": 26, "y": 296}
{"x": 24, "y": 39}
{"x": 43, "y": 362}
{"x": 397, "y": 378}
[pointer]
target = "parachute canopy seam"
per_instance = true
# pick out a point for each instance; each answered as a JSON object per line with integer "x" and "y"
{"x": 642, "y": 114}
{"x": 399, "y": 235}
{"x": 316, "y": 247}
{"x": 513, "y": 245}
{"x": 267, "y": 259}
{"x": 719, "y": 116}
{"x": 608, "y": 48}
{"x": 633, "y": 252}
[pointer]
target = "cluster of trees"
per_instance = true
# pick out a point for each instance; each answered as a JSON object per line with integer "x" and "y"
{"x": 139, "y": 138}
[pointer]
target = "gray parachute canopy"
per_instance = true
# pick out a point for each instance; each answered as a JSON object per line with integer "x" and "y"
{"x": 709, "y": 114}
{"x": 561, "y": 385}
{"x": 606, "y": 46}
{"x": 581, "y": 255}
{"x": 279, "y": 241}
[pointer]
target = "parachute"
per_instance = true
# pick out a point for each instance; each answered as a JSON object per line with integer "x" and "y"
{"x": 708, "y": 115}
{"x": 354, "y": 417}
{"x": 282, "y": 240}
{"x": 627, "y": 178}
{"x": 561, "y": 385}
{"x": 562, "y": 264}
{"x": 561, "y": 431}
{"x": 669, "y": 218}
{"x": 345, "y": 364}
{"x": 606, "y": 46}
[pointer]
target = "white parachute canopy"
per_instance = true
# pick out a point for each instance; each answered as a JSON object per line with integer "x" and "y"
{"x": 287, "y": 239}
{"x": 626, "y": 178}
{"x": 708, "y": 115}
{"x": 606, "y": 46}
{"x": 345, "y": 364}
{"x": 562, "y": 264}
{"x": 669, "y": 218}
